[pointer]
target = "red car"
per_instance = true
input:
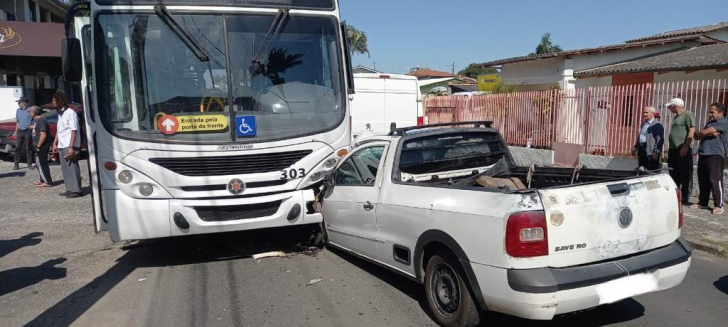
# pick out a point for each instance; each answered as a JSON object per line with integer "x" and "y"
{"x": 7, "y": 129}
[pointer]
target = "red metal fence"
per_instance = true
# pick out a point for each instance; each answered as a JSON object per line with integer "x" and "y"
{"x": 605, "y": 120}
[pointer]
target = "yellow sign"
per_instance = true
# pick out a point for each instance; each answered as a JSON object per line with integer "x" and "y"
{"x": 196, "y": 123}
{"x": 9, "y": 38}
{"x": 488, "y": 82}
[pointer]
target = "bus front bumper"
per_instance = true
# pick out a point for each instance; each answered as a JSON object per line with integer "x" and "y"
{"x": 135, "y": 219}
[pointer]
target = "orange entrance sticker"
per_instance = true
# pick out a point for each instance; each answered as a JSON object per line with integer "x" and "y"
{"x": 168, "y": 124}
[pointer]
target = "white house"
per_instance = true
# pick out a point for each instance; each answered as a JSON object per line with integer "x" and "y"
{"x": 621, "y": 64}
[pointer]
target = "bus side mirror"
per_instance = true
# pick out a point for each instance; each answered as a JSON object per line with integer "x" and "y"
{"x": 71, "y": 60}
{"x": 329, "y": 179}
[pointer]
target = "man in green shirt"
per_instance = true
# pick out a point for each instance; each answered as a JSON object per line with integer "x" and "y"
{"x": 680, "y": 153}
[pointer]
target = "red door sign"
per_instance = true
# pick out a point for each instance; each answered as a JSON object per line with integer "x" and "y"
{"x": 168, "y": 124}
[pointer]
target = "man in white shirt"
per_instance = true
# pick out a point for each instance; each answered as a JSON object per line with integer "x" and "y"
{"x": 68, "y": 142}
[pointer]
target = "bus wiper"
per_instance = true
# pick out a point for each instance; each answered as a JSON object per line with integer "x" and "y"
{"x": 273, "y": 31}
{"x": 164, "y": 15}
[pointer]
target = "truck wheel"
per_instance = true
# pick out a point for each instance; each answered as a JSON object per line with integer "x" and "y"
{"x": 447, "y": 292}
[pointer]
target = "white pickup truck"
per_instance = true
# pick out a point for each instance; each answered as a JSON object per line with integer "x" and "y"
{"x": 448, "y": 208}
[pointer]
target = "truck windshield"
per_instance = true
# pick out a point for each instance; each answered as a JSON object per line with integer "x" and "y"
{"x": 447, "y": 152}
{"x": 293, "y": 88}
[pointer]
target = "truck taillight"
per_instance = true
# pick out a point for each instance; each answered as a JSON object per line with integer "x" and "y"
{"x": 420, "y": 121}
{"x": 679, "y": 208}
{"x": 526, "y": 234}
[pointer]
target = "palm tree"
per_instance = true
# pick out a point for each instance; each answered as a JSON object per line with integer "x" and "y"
{"x": 357, "y": 41}
{"x": 546, "y": 46}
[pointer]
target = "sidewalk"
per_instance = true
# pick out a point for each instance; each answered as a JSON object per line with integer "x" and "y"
{"x": 706, "y": 231}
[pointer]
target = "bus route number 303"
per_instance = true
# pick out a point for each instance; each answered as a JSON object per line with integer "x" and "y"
{"x": 293, "y": 173}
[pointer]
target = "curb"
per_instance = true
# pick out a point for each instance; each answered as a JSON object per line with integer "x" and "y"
{"x": 709, "y": 247}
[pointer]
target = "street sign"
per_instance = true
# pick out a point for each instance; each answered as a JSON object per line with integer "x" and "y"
{"x": 246, "y": 126}
{"x": 488, "y": 82}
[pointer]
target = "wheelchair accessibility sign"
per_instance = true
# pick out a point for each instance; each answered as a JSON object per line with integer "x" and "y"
{"x": 246, "y": 126}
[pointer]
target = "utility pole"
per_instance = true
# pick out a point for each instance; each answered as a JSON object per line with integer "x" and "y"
{"x": 453, "y": 68}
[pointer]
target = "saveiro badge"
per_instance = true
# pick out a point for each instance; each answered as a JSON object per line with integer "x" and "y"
{"x": 245, "y": 126}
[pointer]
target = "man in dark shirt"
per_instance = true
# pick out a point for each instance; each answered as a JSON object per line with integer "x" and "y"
{"x": 713, "y": 145}
{"x": 23, "y": 134}
{"x": 42, "y": 138}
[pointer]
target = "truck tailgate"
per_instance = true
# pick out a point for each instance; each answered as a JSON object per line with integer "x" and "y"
{"x": 597, "y": 222}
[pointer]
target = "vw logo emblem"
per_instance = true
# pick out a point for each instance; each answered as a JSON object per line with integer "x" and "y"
{"x": 236, "y": 186}
{"x": 625, "y": 218}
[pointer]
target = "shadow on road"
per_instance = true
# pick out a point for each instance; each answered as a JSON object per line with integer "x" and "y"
{"x": 619, "y": 312}
{"x": 13, "y": 174}
{"x": 175, "y": 251}
{"x": 722, "y": 284}
{"x": 19, "y": 278}
{"x": 10, "y": 246}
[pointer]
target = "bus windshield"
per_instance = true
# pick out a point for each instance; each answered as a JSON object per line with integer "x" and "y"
{"x": 292, "y": 85}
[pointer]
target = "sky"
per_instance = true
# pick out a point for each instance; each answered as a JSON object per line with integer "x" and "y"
{"x": 404, "y": 34}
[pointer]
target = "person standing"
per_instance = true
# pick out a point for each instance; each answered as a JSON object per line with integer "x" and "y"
{"x": 42, "y": 138}
{"x": 649, "y": 141}
{"x": 23, "y": 134}
{"x": 680, "y": 152}
{"x": 67, "y": 143}
{"x": 713, "y": 146}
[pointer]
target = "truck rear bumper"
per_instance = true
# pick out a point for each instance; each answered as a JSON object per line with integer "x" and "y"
{"x": 149, "y": 218}
{"x": 545, "y": 292}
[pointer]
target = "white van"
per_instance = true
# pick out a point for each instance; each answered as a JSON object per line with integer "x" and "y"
{"x": 382, "y": 99}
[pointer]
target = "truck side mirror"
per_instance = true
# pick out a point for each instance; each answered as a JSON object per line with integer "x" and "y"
{"x": 71, "y": 60}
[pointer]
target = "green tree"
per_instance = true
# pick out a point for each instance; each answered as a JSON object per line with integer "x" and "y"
{"x": 546, "y": 46}
{"x": 503, "y": 88}
{"x": 357, "y": 41}
{"x": 473, "y": 70}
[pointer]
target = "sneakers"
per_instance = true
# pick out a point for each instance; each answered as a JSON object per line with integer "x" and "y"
{"x": 66, "y": 193}
{"x": 31, "y": 166}
{"x": 699, "y": 206}
{"x": 16, "y": 167}
{"x": 72, "y": 195}
{"x": 717, "y": 211}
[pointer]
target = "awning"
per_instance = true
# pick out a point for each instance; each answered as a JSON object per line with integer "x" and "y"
{"x": 31, "y": 39}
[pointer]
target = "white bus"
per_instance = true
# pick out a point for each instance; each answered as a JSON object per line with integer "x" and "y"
{"x": 209, "y": 116}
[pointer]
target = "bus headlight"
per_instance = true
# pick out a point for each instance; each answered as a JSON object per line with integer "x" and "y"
{"x": 126, "y": 177}
{"x": 330, "y": 163}
{"x": 317, "y": 176}
{"x": 146, "y": 189}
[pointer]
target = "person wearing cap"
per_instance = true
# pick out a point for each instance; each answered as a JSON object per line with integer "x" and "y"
{"x": 713, "y": 146}
{"x": 680, "y": 153}
{"x": 649, "y": 140}
{"x": 42, "y": 139}
{"x": 23, "y": 134}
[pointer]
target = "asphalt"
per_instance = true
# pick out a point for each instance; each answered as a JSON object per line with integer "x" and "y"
{"x": 55, "y": 271}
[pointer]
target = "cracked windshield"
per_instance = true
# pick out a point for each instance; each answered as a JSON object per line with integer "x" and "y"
{"x": 284, "y": 74}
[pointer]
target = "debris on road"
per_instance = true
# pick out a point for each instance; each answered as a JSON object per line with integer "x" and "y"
{"x": 314, "y": 281}
{"x": 273, "y": 254}
{"x": 141, "y": 279}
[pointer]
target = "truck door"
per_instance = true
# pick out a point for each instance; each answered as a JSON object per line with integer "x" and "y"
{"x": 349, "y": 210}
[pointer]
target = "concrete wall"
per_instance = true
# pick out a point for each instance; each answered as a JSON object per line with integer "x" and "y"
{"x": 527, "y": 156}
{"x": 539, "y": 71}
{"x": 593, "y": 82}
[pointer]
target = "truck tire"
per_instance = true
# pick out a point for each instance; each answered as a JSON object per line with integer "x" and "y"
{"x": 447, "y": 292}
